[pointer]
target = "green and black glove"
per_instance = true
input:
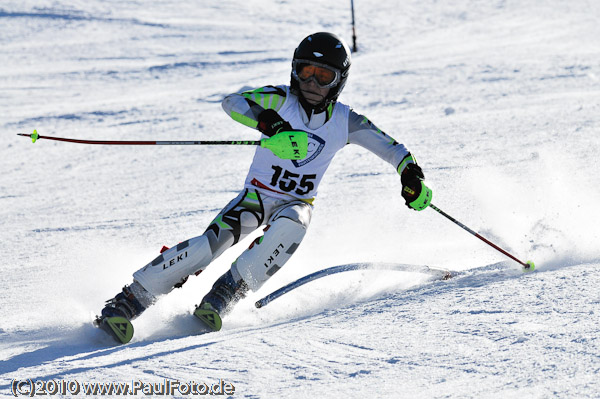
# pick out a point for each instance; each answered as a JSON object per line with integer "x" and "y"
{"x": 270, "y": 123}
{"x": 414, "y": 191}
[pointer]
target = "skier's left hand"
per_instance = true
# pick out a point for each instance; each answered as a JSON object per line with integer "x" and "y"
{"x": 414, "y": 191}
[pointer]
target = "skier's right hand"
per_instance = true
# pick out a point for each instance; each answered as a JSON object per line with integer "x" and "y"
{"x": 270, "y": 123}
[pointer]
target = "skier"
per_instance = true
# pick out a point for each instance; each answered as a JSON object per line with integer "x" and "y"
{"x": 278, "y": 193}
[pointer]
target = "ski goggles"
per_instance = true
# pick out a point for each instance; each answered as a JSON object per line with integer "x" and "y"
{"x": 323, "y": 75}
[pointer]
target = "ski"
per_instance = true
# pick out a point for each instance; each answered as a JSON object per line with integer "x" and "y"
{"x": 209, "y": 316}
{"x": 119, "y": 328}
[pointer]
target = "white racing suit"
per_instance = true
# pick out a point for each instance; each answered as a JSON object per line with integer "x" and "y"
{"x": 278, "y": 193}
{"x": 286, "y": 221}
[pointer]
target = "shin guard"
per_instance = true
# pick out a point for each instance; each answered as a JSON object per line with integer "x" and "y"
{"x": 269, "y": 253}
{"x": 172, "y": 267}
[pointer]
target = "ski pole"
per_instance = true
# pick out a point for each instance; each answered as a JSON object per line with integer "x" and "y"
{"x": 528, "y": 266}
{"x": 285, "y": 145}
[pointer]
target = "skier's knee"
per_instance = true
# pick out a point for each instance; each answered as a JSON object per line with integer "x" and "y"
{"x": 269, "y": 253}
{"x": 172, "y": 267}
{"x": 300, "y": 212}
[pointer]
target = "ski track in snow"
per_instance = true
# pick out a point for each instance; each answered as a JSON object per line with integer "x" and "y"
{"x": 499, "y": 101}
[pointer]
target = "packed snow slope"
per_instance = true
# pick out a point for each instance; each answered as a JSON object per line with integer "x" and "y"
{"x": 499, "y": 100}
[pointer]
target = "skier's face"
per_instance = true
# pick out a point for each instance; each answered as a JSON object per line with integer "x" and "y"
{"x": 312, "y": 92}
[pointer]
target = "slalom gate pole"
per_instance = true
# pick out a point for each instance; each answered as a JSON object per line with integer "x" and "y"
{"x": 439, "y": 273}
{"x": 527, "y": 266}
{"x": 354, "y": 49}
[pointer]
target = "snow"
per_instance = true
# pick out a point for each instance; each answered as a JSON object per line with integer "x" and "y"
{"x": 499, "y": 101}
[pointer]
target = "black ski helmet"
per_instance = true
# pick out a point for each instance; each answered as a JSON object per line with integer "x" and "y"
{"x": 327, "y": 49}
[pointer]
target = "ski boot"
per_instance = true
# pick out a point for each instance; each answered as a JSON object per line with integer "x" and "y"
{"x": 225, "y": 293}
{"x": 118, "y": 312}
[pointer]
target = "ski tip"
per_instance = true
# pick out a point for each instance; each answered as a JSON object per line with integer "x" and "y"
{"x": 209, "y": 316}
{"x": 530, "y": 266}
{"x": 119, "y": 328}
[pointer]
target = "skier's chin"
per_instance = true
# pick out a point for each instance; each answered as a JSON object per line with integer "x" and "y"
{"x": 312, "y": 98}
